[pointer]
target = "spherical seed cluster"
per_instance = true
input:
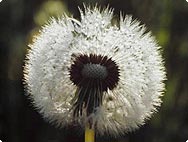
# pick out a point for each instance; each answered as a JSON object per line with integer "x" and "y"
{"x": 121, "y": 98}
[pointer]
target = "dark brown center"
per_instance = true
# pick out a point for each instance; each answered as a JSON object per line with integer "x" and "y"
{"x": 92, "y": 74}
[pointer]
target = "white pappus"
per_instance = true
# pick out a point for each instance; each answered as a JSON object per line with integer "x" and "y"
{"x": 92, "y": 71}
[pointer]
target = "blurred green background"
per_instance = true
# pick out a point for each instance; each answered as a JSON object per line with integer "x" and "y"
{"x": 20, "y": 20}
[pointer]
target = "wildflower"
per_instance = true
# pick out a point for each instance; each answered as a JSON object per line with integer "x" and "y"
{"x": 92, "y": 71}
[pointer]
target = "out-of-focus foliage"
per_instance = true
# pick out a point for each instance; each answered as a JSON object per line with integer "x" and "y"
{"x": 21, "y": 20}
{"x": 49, "y": 9}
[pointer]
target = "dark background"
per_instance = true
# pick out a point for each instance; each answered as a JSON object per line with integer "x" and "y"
{"x": 21, "y": 19}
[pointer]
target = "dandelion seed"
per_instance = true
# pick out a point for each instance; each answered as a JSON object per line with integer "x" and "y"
{"x": 94, "y": 72}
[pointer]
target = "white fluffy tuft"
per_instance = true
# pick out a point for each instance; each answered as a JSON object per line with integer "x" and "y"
{"x": 137, "y": 95}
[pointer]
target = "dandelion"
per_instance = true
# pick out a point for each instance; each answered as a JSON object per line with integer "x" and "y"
{"x": 95, "y": 73}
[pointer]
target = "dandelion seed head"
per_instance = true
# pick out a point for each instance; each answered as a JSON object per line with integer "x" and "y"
{"x": 92, "y": 71}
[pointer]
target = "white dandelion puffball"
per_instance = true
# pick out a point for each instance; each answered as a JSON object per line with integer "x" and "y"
{"x": 94, "y": 72}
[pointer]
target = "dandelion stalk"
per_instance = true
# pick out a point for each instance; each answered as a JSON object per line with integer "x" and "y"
{"x": 89, "y": 134}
